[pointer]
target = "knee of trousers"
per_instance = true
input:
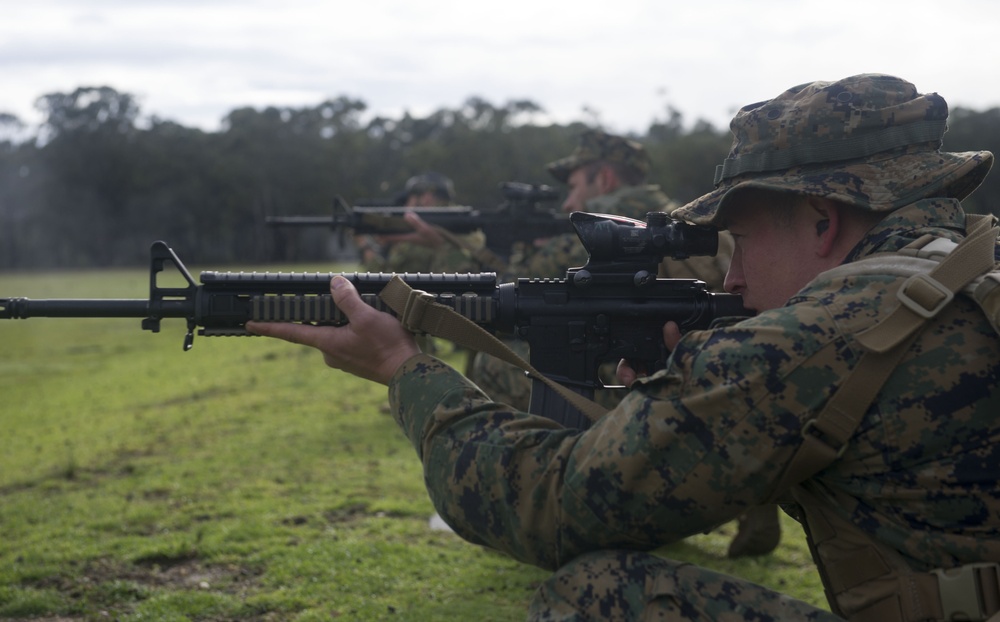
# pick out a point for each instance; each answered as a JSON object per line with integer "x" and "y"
{"x": 604, "y": 585}
{"x": 629, "y": 585}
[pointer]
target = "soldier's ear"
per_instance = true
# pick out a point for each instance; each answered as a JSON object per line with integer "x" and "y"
{"x": 607, "y": 179}
{"x": 827, "y": 219}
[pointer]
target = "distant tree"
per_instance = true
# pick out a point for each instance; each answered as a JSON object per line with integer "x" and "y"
{"x": 88, "y": 108}
{"x": 683, "y": 161}
{"x": 97, "y": 188}
{"x": 969, "y": 130}
{"x": 22, "y": 178}
{"x": 666, "y": 130}
{"x": 88, "y": 151}
{"x": 12, "y": 130}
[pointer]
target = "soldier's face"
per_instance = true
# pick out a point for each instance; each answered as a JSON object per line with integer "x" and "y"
{"x": 581, "y": 190}
{"x": 773, "y": 258}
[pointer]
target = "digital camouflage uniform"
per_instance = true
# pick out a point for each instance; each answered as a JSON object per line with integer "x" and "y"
{"x": 405, "y": 257}
{"x": 694, "y": 445}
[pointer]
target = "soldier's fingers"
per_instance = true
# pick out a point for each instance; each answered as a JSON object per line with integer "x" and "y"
{"x": 625, "y": 373}
{"x": 671, "y": 335}
{"x": 302, "y": 334}
{"x": 346, "y": 297}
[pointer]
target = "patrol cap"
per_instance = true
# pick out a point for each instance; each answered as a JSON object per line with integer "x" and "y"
{"x": 437, "y": 183}
{"x": 596, "y": 145}
{"x": 870, "y": 140}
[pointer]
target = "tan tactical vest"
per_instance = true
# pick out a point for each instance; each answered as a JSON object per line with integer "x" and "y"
{"x": 866, "y": 581}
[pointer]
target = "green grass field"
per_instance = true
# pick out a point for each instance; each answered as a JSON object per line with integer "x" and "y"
{"x": 242, "y": 480}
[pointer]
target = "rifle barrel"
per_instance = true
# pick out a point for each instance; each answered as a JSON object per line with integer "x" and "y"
{"x": 22, "y": 308}
{"x": 302, "y": 221}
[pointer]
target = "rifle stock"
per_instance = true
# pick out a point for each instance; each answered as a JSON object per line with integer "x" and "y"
{"x": 612, "y": 308}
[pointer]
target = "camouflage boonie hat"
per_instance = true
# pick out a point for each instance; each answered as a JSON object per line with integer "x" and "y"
{"x": 437, "y": 183}
{"x": 869, "y": 140}
{"x": 597, "y": 145}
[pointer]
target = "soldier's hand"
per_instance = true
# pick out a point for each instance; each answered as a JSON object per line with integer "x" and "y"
{"x": 372, "y": 345}
{"x": 423, "y": 233}
{"x": 627, "y": 373}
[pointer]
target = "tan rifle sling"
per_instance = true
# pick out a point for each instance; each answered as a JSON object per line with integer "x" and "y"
{"x": 419, "y": 313}
{"x": 865, "y": 581}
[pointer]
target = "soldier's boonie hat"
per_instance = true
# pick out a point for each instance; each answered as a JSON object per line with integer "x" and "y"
{"x": 596, "y": 145}
{"x": 437, "y": 183}
{"x": 869, "y": 140}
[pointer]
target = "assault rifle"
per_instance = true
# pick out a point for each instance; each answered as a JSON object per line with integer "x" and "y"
{"x": 517, "y": 219}
{"x": 614, "y": 307}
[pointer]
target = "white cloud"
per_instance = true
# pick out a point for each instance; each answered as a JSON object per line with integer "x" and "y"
{"x": 195, "y": 61}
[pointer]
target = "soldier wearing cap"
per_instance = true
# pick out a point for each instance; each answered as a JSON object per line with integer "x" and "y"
{"x": 425, "y": 251}
{"x": 604, "y": 164}
{"x": 607, "y": 174}
{"x": 863, "y": 395}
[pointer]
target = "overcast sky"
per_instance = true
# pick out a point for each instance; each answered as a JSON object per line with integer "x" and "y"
{"x": 192, "y": 61}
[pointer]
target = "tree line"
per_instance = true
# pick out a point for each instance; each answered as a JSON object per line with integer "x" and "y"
{"x": 95, "y": 184}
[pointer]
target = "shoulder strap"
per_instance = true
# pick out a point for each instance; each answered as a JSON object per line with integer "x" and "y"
{"x": 922, "y": 297}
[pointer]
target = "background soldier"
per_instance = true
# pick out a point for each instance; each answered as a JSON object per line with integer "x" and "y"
{"x": 607, "y": 174}
{"x": 424, "y": 252}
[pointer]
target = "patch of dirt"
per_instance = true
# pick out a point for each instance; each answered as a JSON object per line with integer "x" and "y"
{"x": 129, "y": 583}
{"x": 181, "y": 572}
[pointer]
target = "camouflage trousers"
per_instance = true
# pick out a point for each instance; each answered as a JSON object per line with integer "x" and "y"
{"x": 627, "y": 585}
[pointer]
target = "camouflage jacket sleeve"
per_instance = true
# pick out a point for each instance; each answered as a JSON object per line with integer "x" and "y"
{"x": 410, "y": 257}
{"x": 696, "y": 444}
{"x": 687, "y": 450}
{"x": 452, "y": 258}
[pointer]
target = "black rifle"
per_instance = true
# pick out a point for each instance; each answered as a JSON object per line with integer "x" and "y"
{"x": 614, "y": 307}
{"x": 517, "y": 219}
